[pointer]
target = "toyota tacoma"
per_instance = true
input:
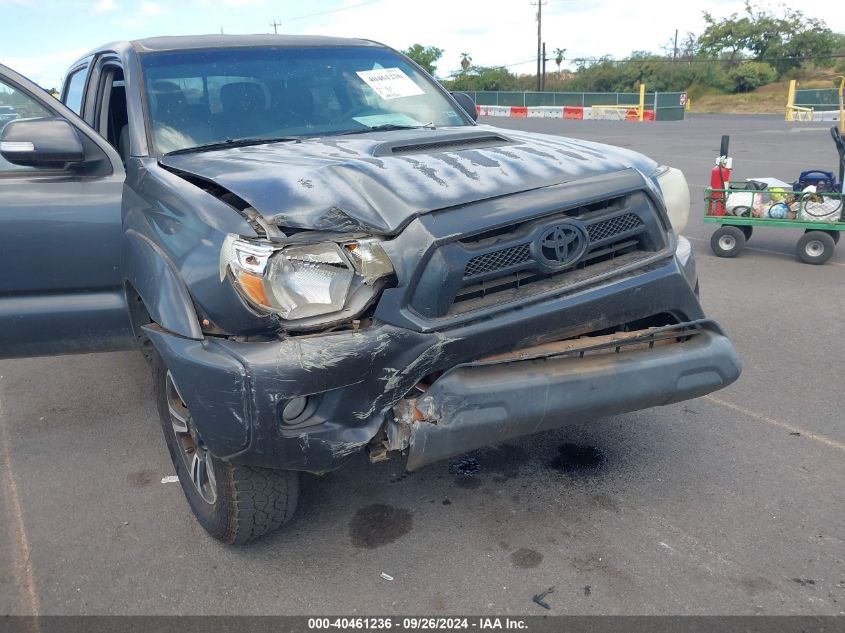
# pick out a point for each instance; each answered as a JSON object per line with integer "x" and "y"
{"x": 320, "y": 252}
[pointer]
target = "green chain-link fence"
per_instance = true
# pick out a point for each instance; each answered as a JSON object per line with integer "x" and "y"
{"x": 669, "y": 105}
{"x": 817, "y": 99}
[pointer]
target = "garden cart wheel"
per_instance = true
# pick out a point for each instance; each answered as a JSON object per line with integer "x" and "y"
{"x": 834, "y": 235}
{"x": 815, "y": 247}
{"x": 727, "y": 241}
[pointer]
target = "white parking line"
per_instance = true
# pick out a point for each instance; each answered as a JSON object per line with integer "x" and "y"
{"x": 22, "y": 553}
{"x": 816, "y": 437}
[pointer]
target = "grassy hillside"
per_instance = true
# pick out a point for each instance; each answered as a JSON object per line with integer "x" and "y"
{"x": 769, "y": 99}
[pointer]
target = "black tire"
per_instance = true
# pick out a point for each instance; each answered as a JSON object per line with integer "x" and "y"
{"x": 247, "y": 503}
{"x": 815, "y": 247}
{"x": 834, "y": 235}
{"x": 727, "y": 241}
{"x": 747, "y": 231}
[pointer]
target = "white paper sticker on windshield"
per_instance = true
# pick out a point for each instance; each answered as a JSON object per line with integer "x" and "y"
{"x": 390, "y": 83}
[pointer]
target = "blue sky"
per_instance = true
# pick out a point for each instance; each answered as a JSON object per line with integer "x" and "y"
{"x": 41, "y": 37}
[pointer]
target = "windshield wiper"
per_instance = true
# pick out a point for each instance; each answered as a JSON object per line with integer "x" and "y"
{"x": 234, "y": 142}
{"x": 386, "y": 127}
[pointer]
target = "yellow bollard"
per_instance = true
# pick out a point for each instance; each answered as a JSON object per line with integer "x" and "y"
{"x": 641, "y": 108}
{"x": 790, "y": 100}
{"x": 688, "y": 105}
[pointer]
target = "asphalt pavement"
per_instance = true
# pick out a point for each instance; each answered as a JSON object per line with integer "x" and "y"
{"x": 729, "y": 504}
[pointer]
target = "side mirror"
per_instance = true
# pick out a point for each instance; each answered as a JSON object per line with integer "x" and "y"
{"x": 49, "y": 142}
{"x": 467, "y": 103}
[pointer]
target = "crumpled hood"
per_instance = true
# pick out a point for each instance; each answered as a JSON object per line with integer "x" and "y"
{"x": 377, "y": 182}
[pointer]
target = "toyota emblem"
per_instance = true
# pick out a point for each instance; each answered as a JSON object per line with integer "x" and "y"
{"x": 562, "y": 244}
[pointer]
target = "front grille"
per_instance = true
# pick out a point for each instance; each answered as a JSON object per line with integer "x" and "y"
{"x": 585, "y": 212}
{"x": 514, "y": 255}
{"x": 507, "y": 264}
{"x": 525, "y": 284}
{"x": 613, "y": 226}
{"x": 497, "y": 260}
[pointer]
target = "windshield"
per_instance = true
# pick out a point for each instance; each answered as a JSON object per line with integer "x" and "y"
{"x": 201, "y": 97}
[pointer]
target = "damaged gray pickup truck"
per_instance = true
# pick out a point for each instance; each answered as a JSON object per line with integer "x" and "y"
{"x": 320, "y": 253}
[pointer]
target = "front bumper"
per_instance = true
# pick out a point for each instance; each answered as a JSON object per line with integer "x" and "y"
{"x": 483, "y": 403}
{"x": 236, "y": 391}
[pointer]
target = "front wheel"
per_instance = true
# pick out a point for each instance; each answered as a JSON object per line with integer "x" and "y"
{"x": 727, "y": 241}
{"x": 815, "y": 247}
{"x": 234, "y": 503}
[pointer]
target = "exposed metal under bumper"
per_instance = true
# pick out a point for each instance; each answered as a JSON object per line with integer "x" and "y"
{"x": 499, "y": 398}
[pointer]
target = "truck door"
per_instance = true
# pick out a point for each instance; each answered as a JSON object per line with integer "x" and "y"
{"x": 60, "y": 228}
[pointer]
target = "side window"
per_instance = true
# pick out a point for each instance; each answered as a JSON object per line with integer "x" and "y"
{"x": 75, "y": 90}
{"x": 112, "y": 119}
{"x": 15, "y": 104}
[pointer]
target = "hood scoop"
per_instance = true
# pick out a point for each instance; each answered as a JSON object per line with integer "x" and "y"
{"x": 441, "y": 144}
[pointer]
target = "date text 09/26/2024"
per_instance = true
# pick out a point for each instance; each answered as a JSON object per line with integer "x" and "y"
{"x": 415, "y": 623}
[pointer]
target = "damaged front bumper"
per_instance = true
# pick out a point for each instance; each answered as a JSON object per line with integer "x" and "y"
{"x": 238, "y": 391}
{"x": 536, "y": 389}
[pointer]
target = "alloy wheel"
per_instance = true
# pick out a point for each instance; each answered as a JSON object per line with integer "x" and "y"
{"x": 194, "y": 454}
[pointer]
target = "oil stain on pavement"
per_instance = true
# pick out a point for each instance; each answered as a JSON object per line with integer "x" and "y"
{"x": 465, "y": 471}
{"x": 574, "y": 459}
{"x": 379, "y": 524}
{"x": 526, "y": 558}
{"x": 505, "y": 461}
{"x": 140, "y": 478}
{"x": 466, "y": 467}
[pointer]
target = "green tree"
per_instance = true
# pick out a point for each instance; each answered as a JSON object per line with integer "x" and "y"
{"x": 425, "y": 56}
{"x": 466, "y": 61}
{"x": 606, "y": 75}
{"x": 725, "y": 38}
{"x": 483, "y": 78}
{"x": 781, "y": 40}
{"x": 559, "y": 53}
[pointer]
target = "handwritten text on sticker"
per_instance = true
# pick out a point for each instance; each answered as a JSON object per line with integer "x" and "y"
{"x": 390, "y": 83}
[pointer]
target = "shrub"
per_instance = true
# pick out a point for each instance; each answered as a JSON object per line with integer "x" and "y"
{"x": 751, "y": 75}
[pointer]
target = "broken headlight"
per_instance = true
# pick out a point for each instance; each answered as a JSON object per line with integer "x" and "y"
{"x": 303, "y": 281}
{"x": 673, "y": 186}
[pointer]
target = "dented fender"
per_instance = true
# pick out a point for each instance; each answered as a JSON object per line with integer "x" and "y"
{"x": 236, "y": 391}
{"x": 154, "y": 277}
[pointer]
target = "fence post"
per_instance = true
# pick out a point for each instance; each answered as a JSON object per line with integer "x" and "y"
{"x": 790, "y": 100}
{"x": 641, "y": 109}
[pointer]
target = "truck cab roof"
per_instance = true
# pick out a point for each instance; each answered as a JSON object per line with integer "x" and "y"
{"x": 193, "y": 42}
